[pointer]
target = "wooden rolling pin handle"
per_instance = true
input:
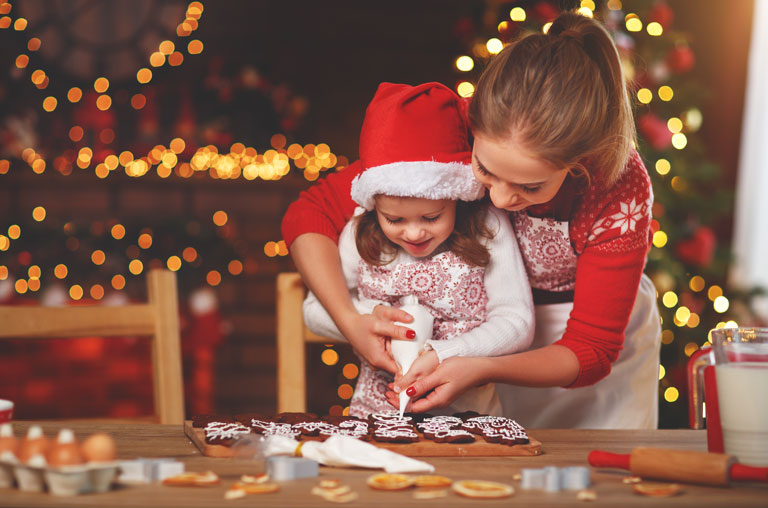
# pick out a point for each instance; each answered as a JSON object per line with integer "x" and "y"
{"x": 742, "y": 473}
{"x": 598, "y": 458}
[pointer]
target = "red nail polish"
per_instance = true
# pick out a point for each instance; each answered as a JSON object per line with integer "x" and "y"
{"x": 411, "y": 391}
{"x": 410, "y": 334}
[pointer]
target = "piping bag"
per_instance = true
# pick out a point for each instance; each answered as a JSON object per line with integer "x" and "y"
{"x": 683, "y": 466}
{"x": 405, "y": 352}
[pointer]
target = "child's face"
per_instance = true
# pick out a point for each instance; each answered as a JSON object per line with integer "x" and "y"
{"x": 417, "y": 225}
{"x": 514, "y": 178}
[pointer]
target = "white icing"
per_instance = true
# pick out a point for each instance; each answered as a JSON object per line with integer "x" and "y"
{"x": 6, "y": 430}
{"x": 35, "y": 432}
{"x": 66, "y": 436}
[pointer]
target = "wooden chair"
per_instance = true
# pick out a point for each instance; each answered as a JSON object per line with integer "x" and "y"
{"x": 292, "y": 337}
{"x": 158, "y": 319}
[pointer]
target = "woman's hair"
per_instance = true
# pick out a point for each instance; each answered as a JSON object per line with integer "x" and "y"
{"x": 563, "y": 96}
{"x": 465, "y": 240}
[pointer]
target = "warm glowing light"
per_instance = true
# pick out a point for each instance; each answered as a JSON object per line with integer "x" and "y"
{"x": 633, "y": 23}
{"x": 3, "y": 272}
{"x": 21, "y": 286}
{"x": 350, "y": 371}
{"x": 145, "y": 241}
{"x": 175, "y": 59}
{"x": 144, "y": 75}
{"x": 118, "y": 282}
{"x": 674, "y": 125}
{"x": 135, "y": 267}
{"x": 679, "y": 140}
{"x": 4, "y": 166}
{"x": 731, "y": 324}
{"x": 50, "y": 103}
{"x": 213, "y": 278}
{"x": 693, "y": 119}
{"x": 74, "y": 94}
{"x": 721, "y": 304}
{"x": 98, "y": 257}
{"x": 669, "y": 299}
{"x": 465, "y": 89}
{"x": 37, "y": 77}
{"x": 97, "y": 292}
{"x": 666, "y": 93}
{"x": 659, "y": 239}
{"x": 678, "y": 183}
{"x": 694, "y": 320}
{"x": 714, "y": 292}
{"x": 156, "y": 59}
{"x": 111, "y": 161}
{"x": 34, "y": 44}
{"x": 189, "y": 254}
{"x": 220, "y": 217}
{"x": 61, "y": 271}
{"x": 682, "y": 314}
{"x": 5, "y": 21}
{"x": 173, "y": 263}
{"x": 270, "y": 249}
{"x": 663, "y": 166}
{"x": 177, "y": 145}
{"x": 697, "y": 283}
{"x": 345, "y": 391}
{"x": 662, "y": 372}
{"x": 138, "y": 101}
{"x": 33, "y": 284}
{"x": 465, "y": 63}
{"x": 76, "y": 292}
{"x": 655, "y": 29}
{"x": 667, "y": 337}
{"x": 38, "y": 166}
{"x": 22, "y": 61}
{"x": 589, "y": 4}
{"x": 586, "y": 12}
{"x": 329, "y": 357}
{"x": 517, "y": 14}
{"x": 235, "y": 267}
{"x": 644, "y": 95}
{"x": 5, "y": 243}
{"x": 14, "y": 231}
{"x": 690, "y": 348}
{"x": 671, "y": 394}
{"x": 104, "y": 102}
{"x": 195, "y": 47}
{"x": 34, "y": 272}
{"x": 20, "y": 24}
{"x": 282, "y": 249}
{"x": 166, "y": 47}
{"x": 101, "y": 85}
{"x": 38, "y": 213}
{"x": 494, "y": 46}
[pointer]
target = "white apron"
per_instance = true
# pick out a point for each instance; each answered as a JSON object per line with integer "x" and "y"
{"x": 628, "y": 397}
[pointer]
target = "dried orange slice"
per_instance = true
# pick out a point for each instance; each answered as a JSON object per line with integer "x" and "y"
{"x": 389, "y": 481}
{"x": 657, "y": 489}
{"x": 432, "y": 481}
{"x": 207, "y": 479}
{"x": 482, "y": 489}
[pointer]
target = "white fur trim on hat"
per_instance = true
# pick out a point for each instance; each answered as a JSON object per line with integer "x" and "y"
{"x": 418, "y": 179}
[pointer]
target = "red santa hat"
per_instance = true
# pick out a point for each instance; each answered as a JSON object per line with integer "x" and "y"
{"x": 415, "y": 143}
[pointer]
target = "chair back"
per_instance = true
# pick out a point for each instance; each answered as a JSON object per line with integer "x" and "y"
{"x": 157, "y": 319}
{"x": 292, "y": 337}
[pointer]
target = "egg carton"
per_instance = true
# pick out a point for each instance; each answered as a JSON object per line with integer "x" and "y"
{"x": 59, "y": 481}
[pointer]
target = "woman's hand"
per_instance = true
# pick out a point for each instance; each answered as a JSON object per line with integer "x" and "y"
{"x": 444, "y": 385}
{"x": 425, "y": 364}
{"x": 370, "y": 334}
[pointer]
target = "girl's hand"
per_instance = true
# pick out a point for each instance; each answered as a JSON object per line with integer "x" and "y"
{"x": 369, "y": 334}
{"x": 425, "y": 364}
{"x": 444, "y": 385}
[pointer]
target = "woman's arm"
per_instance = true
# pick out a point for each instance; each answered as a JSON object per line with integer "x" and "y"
{"x": 548, "y": 366}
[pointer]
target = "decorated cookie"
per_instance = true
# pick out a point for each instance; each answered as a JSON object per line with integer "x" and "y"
{"x": 224, "y": 433}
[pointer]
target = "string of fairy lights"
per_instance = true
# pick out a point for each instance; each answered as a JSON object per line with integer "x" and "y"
{"x": 689, "y": 121}
{"x": 163, "y": 161}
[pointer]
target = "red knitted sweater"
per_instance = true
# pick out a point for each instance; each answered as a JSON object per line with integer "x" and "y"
{"x": 608, "y": 240}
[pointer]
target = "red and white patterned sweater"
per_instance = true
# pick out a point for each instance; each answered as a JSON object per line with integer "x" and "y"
{"x": 601, "y": 259}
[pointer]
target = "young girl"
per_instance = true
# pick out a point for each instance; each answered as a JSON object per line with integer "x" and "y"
{"x": 421, "y": 230}
{"x": 553, "y": 134}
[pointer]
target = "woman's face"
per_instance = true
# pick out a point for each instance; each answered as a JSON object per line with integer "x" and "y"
{"x": 515, "y": 179}
{"x": 417, "y": 225}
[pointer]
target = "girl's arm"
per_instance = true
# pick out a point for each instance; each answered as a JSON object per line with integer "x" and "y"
{"x": 508, "y": 327}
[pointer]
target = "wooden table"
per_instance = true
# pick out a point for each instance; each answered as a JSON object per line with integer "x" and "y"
{"x": 561, "y": 448}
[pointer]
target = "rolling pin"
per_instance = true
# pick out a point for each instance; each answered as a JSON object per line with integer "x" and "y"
{"x": 681, "y": 466}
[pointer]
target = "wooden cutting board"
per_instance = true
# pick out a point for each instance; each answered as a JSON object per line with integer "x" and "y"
{"x": 422, "y": 448}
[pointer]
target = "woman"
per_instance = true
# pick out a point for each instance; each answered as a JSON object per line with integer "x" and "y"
{"x": 553, "y": 133}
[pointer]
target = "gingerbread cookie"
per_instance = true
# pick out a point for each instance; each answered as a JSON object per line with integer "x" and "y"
{"x": 390, "y": 427}
{"x": 224, "y": 433}
{"x": 496, "y": 429}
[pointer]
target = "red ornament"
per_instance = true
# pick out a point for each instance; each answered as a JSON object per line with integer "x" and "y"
{"x": 545, "y": 11}
{"x": 655, "y": 131}
{"x": 681, "y": 59}
{"x": 698, "y": 249}
{"x": 662, "y": 14}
